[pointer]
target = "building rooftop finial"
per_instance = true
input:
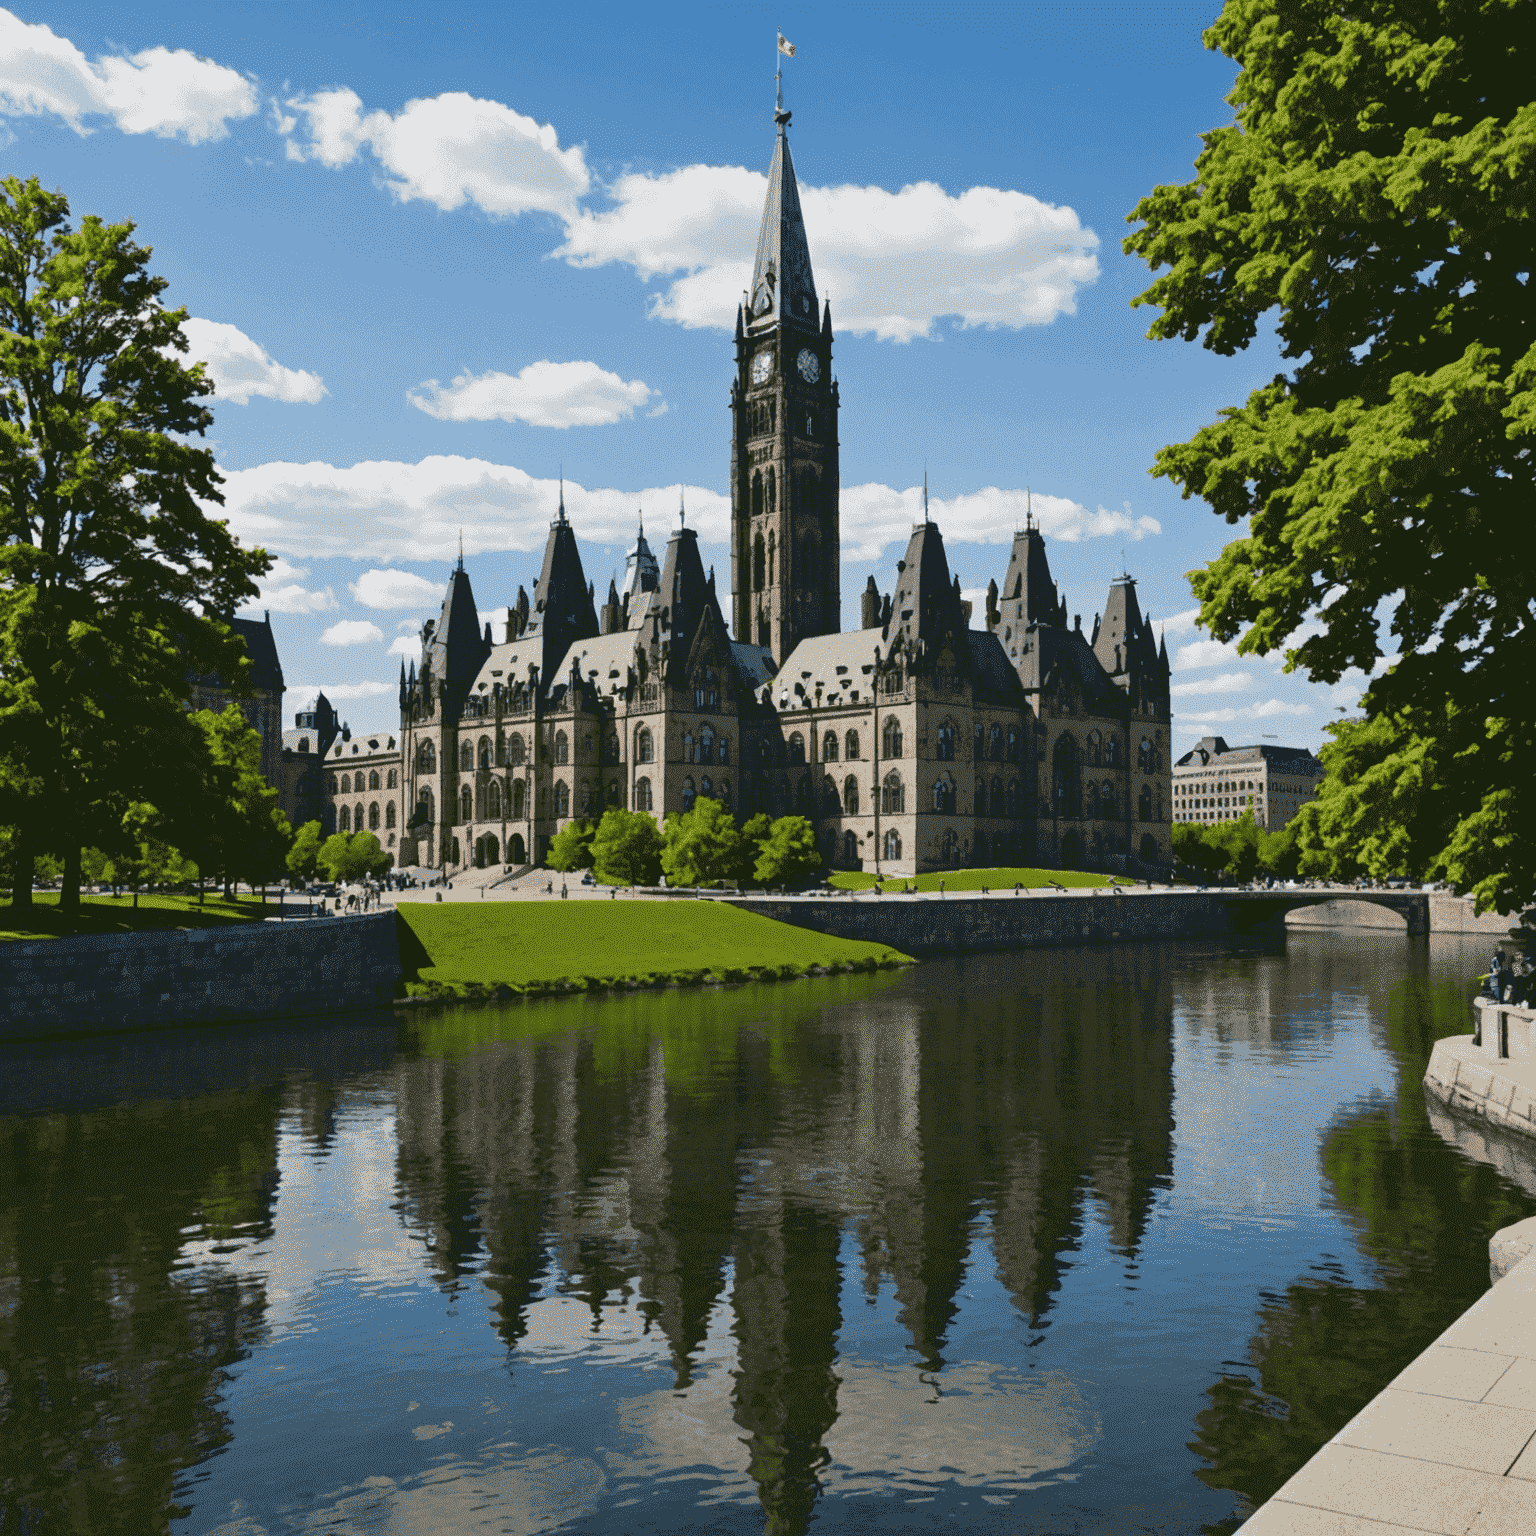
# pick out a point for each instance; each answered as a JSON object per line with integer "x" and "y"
{"x": 925, "y": 493}
{"x": 682, "y": 511}
{"x": 784, "y": 49}
{"x": 461, "y": 549}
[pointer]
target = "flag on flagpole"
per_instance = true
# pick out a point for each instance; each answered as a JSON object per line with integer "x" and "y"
{"x": 786, "y": 47}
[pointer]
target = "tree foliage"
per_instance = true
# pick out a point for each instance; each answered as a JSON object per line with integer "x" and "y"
{"x": 240, "y": 833}
{"x": 302, "y": 856}
{"x": 349, "y": 856}
{"x": 113, "y": 579}
{"x": 788, "y": 855}
{"x": 626, "y": 848}
{"x": 1376, "y": 197}
{"x": 571, "y": 847}
{"x": 702, "y": 846}
{"x": 1240, "y": 848}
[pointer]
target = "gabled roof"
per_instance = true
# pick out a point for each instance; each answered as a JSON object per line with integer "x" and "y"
{"x": 926, "y": 611}
{"x": 454, "y": 651}
{"x": 562, "y": 608}
{"x": 783, "y": 287}
{"x": 1027, "y": 585}
{"x": 1048, "y": 653}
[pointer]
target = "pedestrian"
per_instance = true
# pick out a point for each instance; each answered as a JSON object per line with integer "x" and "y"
{"x": 1496, "y": 976}
{"x": 564, "y": 893}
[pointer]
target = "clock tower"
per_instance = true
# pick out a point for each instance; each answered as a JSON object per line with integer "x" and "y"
{"x": 784, "y": 478}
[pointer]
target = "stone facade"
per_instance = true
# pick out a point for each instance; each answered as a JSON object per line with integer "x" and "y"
{"x": 914, "y": 742}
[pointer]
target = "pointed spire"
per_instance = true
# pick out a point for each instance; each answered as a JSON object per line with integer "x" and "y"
{"x": 560, "y": 516}
{"x": 461, "y": 549}
{"x": 925, "y": 493}
{"x": 783, "y": 285}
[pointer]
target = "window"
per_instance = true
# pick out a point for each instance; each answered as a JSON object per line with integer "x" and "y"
{"x": 303, "y": 743}
{"x": 851, "y": 796}
{"x": 562, "y": 800}
{"x": 466, "y": 758}
{"x": 344, "y": 819}
{"x": 978, "y": 738}
{"x": 1012, "y": 802}
{"x": 585, "y": 798}
{"x": 995, "y": 743}
{"x": 466, "y": 805}
{"x": 850, "y": 848}
{"x": 892, "y": 743}
{"x": 944, "y": 796}
{"x": 645, "y": 752}
{"x": 1095, "y": 753}
{"x": 562, "y": 748}
{"x": 706, "y": 689}
{"x": 493, "y": 801}
{"x": 892, "y": 800}
{"x": 1108, "y": 801}
{"x": 796, "y": 747}
{"x": 829, "y": 747}
{"x": 1093, "y": 800}
{"x": 643, "y": 793}
{"x": 424, "y": 804}
{"x": 392, "y": 779}
{"x": 515, "y": 750}
{"x": 520, "y": 700}
{"x": 706, "y": 787}
{"x": 891, "y": 682}
{"x": 485, "y": 754}
{"x": 979, "y": 804}
{"x": 1144, "y": 756}
{"x": 1144, "y": 803}
{"x": 725, "y": 749}
{"x": 851, "y": 746}
{"x": 1111, "y": 751}
{"x": 1013, "y": 743}
{"x": 725, "y": 793}
{"x": 830, "y": 804}
{"x": 706, "y": 745}
{"x": 949, "y": 852}
{"x": 945, "y": 750}
{"x": 1066, "y": 780}
{"x": 373, "y": 816}
{"x": 346, "y": 783}
{"x": 519, "y": 800}
{"x": 389, "y": 814}
{"x": 892, "y": 843}
{"x": 690, "y": 749}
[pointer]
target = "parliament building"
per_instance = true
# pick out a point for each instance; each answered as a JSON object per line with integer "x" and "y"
{"x": 915, "y": 742}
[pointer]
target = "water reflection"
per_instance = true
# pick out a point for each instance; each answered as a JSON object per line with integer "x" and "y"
{"x": 970, "y": 1243}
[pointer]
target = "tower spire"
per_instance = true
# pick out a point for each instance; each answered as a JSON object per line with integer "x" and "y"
{"x": 783, "y": 284}
{"x": 561, "y": 515}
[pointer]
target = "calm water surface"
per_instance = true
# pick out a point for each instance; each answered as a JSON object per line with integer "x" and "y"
{"x": 1071, "y": 1241}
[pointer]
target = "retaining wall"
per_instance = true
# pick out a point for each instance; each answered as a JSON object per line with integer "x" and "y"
{"x": 197, "y": 976}
{"x": 1490, "y": 1075}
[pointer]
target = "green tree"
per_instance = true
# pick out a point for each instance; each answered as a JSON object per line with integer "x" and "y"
{"x": 114, "y": 582}
{"x": 626, "y": 849}
{"x": 1376, "y": 196}
{"x": 302, "y": 855}
{"x": 1239, "y": 842}
{"x": 754, "y": 833}
{"x": 240, "y": 832}
{"x": 788, "y": 855}
{"x": 702, "y": 845}
{"x": 1195, "y": 846}
{"x": 1278, "y": 852}
{"x": 349, "y": 856}
{"x": 571, "y": 847}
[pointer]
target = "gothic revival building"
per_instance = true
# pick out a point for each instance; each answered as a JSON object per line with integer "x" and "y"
{"x": 912, "y": 743}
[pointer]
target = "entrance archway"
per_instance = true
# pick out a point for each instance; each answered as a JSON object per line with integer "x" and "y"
{"x": 487, "y": 850}
{"x": 517, "y": 853}
{"x": 1148, "y": 849}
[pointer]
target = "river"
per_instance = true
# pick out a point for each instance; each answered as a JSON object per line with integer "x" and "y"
{"x": 1086, "y": 1240}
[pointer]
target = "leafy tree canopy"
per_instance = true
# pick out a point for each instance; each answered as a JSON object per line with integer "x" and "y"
{"x": 306, "y": 847}
{"x": 240, "y": 833}
{"x": 112, "y": 577}
{"x": 1374, "y": 199}
{"x": 626, "y": 848}
{"x": 348, "y": 856}
{"x": 788, "y": 855}
{"x": 571, "y": 847}
{"x": 703, "y": 845}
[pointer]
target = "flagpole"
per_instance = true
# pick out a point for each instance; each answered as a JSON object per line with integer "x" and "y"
{"x": 778, "y": 73}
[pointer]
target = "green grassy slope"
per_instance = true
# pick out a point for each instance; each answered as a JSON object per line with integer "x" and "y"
{"x": 117, "y": 914}
{"x": 524, "y": 943}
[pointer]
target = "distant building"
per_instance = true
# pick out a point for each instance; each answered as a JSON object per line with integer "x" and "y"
{"x": 1215, "y": 782}
{"x": 361, "y": 786}
{"x": 264, "y": 708}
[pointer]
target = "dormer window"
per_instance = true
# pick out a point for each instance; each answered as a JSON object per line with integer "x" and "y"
{"x": 303, "y": 743}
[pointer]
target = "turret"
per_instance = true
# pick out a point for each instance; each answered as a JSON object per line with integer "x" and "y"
{"x": 869, "y": 606}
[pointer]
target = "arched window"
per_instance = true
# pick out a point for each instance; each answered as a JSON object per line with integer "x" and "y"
{"x": 949, "y": 850}
{"x": 1108, "y": 800}
{"x": 517, "y": 852}
{"x": 1144, "y": 756}
{"x": 1094, "y": 754}
{"x": 978, "y": 742}
{"x": 850, "y": 796}
{"x": 796, "y": 747}
{"x": 389, "y": 814}
{"x": 392, "y": 779}
{"x": 493, "y": 801}
{"x": 758, "y": 553}
{"x": 996, "y": 801}
{"x": 615, "y": 794}
{"x": 332, "y": 783}
{"x": 344, "y": 818}
{"x": 562, "y": 800}
{"x": 725, "y": 793}
{"x": 1093, "y": 799}
{"x": 850, "y": 847}
{"x": 690, "y": 749}
{"x": 892, "y": 681}
{"x": 706, "y": 787}
{"x": 689, "y": 793}
{"x": 1111, "y": 751}
{"x": 424, "y": 805}
{"x": 515, "y": 750}
{"x": 426, "y": 758}
{"x": 892, "y": 843}
{"x": 642, "y": 794}
{"x": 1012, "y": 801}
{"x": 373, "y": 778}
{"x": 1013, "y": 743}
{"x": 945, "y": 751}
{"x": 466, "y": 757}
{"x": 725, "y": 749}
{"x": 851, "y": 746}
{"x": 520, "y": 700}
{"x": 1066, "y": 779}
{"x": 303, "y": 743}
{"x": 891, "y": 746}
{"x": 772, "y": 543}
{"x": 944, "y": 796}
{"x": 995, "y": 743}
{"x": 830, "y": 804}
{"x": 611, "y": 748}
{"x": 1144, "y": 803}
{"x": 485, "y": 754}
{"x": 562, "y": 748}
{"x": 979, "y": 804}
{"x": 829, "y": 747}
{"x": 518, "y": 800}
{"x": 373, "y": 816}
{"x": 645, "y": 750}
{"x": 892, "y": 799}
{"x": 466, "y": 805}
{"x": 706, "y": 745}
{"x": 585, "y": 797}
{"x": 346, "y": 783}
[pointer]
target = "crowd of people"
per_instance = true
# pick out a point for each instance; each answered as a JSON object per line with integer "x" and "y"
{"x": 1510, "y": 981}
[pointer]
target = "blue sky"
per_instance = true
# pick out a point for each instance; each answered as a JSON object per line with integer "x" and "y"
{"x": 434, "y": 254}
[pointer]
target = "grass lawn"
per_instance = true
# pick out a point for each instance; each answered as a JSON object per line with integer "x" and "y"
{"x": 117, "y": 914}
{"x": 974, "y": 879}
{"x": 523, "y": 944}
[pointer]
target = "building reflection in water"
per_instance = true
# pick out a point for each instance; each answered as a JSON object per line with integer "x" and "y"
{"x": 742, "y": 1147}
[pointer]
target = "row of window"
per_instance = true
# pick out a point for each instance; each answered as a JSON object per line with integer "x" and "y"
{"x": 986, "y": 742}
{"x": 349, "y": 820}
{"x": 346, "y": 787}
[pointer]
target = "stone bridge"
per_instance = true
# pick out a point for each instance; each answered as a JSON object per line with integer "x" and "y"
{"x": 1248, "y": 910}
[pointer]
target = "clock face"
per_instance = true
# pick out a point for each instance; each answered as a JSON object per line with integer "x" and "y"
{"x": 762, "y": 366}
{"x": 809, "y": 365}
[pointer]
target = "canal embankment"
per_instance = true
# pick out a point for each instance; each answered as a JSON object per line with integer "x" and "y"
{"x": 1489, "y": 1075}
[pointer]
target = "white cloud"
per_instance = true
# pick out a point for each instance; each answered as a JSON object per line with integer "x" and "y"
{"x": 874, "y": 516}
{"x": 352, "y": 632}
{"x": 496, "y": 618}
{"x": 544, "y": 394}
{"x": 446, "y": 150}
{"x": 1278, "y": 707}
{"x": 336, "y": 692}
{"x": 408, "y": 626}
{"x": 1205, "y": 653}
{"x": 406, "y": 645}
{"x": 387, "y": 510}
{"x": 283, "y": 592}
{"x": 1264, "y": 711}
{"x": 1227, "y": 682}
{"x": 1179, "y": 623}
{"x": 396, "y": 589}
{"x": 896, "y": 261}
{"x": 167, "y": 92}
{"x": 241, "y": 368}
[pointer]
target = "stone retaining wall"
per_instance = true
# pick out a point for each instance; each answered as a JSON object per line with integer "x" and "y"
{"x": 197, "y": 976}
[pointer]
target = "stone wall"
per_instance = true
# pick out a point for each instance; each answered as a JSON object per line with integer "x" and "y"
{"x": 198, "y": 976}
